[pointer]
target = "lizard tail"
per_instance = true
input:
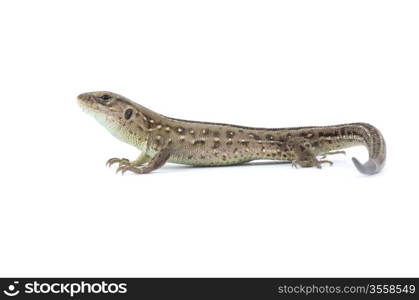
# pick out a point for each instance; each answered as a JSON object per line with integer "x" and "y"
{"x": 374, "y": 141}
{"x": 371, "y": 167}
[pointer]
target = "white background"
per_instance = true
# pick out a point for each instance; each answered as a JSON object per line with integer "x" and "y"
{"x": 254, "y": 63}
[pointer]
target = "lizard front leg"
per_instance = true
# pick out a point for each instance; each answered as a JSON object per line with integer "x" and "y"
{"x": 156, "y": 162}
{"x": 142, "y": 159}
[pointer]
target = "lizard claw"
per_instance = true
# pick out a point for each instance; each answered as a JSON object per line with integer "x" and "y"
{"x": 133, "y": 169}
{"x": 121, "y": 169}
{"x": 332, "y": 153}
{"x": 111, "y": 161}
{"x": 326, "y": 162}
{"x": 115, "y": 160}
{"x": 124, "y": 162}
{"x": 320, "y": 162}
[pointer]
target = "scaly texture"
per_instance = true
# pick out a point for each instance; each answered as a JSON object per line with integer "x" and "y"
{"x": 162, "y": 139}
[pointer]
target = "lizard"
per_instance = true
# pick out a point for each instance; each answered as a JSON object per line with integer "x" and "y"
{"x": 164, "y": 139}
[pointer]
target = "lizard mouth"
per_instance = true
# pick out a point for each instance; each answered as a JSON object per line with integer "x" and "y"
{"x": 107, "y": 116}
{"x": 87, "y": 103}
{"x": 85, "y": 99}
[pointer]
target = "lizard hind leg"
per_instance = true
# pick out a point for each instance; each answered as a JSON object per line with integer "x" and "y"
{"x": 307, "y": 162}
{"x": 305, "y": 156}
{"x": 332, "y": 153}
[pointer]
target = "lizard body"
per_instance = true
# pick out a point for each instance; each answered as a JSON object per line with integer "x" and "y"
{"x": 163, "y": 139}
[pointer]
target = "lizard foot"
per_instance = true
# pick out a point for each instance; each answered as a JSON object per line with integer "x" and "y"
{"x": 310, "y": 163}
{"x": 137, "y": 170}
{"x": 154, "y": 163}
{"x": 332, "y": 153}
{"x": 121, "y": 161}
{"x": 323, "y": 161}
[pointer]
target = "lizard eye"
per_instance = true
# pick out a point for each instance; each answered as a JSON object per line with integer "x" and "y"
{"x": 104, "y": 99}
{"x": 128, "y": 114}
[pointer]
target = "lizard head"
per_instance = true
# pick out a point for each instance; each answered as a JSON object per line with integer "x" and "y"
{"x": 115, "y": 112}
{"x": 102, "y": 103}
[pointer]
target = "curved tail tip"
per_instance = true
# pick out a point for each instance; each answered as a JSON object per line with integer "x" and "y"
{"x": 369, "y": 168}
